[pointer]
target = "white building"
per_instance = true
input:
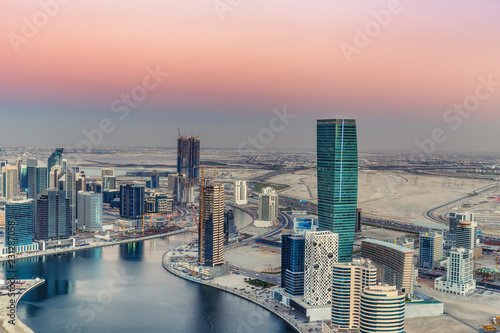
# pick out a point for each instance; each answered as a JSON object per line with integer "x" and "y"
{"x": 320, "y": 255}
{"x": 90, "y": 211}
{"x": 240, "y": 192}
{"x": 268, "y": 208}
{"x": 460, "y": 275}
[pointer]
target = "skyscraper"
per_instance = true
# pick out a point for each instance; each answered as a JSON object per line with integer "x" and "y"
{"x": 90, "y": 211}
{"x": 188, "y": 156}
{"x": 55, "y": 159}
{"x": 460, "y": 274}
{"x": 431, "y": 249}
{"x": 211, "y": 231}
{"x": 107, "y": 172}
{"x": 268, "y": 205}
{"x": 131, "y": 200}
{"x": 54, "y": 175}
{"x": 155, "y": 179}
{"x": 337, "y": 166}
{"x": 293, "y": 249}
{"x": 37, "y": 177}
{"x": 382, "y": 310}
{"x": 349, "y": 280}
{"x": 240, "y": 192}
{"x": 457, "y": 214}
{"x": 320, "y": 255}
{"x": 9, "y": 178}
{"x": 466, "y": 234}
{"x": 109, "y": 183}
{"x": 67, "y": 182}
{"x": 53, "y": 217}
{"x": 19, "y": 218}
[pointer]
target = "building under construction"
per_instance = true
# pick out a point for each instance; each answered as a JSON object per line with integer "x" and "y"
{"x": 188, "y": 156}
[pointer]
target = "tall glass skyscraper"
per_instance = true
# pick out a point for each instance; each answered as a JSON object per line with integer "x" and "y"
{"x": 293, "y": 249}
{"x": 188, "y": 156}
{"x": 337, "y": 150}
{"x": 37, "y": 178}
{"x": 55, "y": 159}
{"x": 19, "y": 217}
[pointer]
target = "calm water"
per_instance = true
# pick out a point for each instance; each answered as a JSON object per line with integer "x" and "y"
{"x": 124, "y": 288}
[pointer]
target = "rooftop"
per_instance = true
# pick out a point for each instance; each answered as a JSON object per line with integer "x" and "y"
{"x": 389, "y": 245}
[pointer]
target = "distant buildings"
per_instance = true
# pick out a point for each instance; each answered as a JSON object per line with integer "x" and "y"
{"x": 53, "y": 216}
{"x": 230, "y": 229}
{"x": 321, "y": 253}
{"x": 394, "y": 263}
{"x": 211, "y": 231}
{"x": 107, "y": 172}
{"x": 108, "y": 183}
{"x": 349, "y": 280}
{"x": 240, "y": 192}
{"x": 55, "y": 159}
{"x": 460, "y": 275}
{"x": 188, "y": 156}
{"x": 19, "y": 225}
{"x": 8, "y": 188}
{"x": 293, "y": 246}
{"x": 155, "y": 179}
{"x": 176, "y": 183}
{"x": 338, "y": 181}
{"x": 456, "y": 215}
{"x": 431, "y": 249}
{"x": 132, "y": 199}
{"x": 382, "y": 310}
{"x": 268, "y": 207}
{"x": 90, "y": 211}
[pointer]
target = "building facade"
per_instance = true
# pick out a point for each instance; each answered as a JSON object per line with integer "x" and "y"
{"x": 159, "y": 202}
{"x": 132, "y": 199}
{"x": 460, "y": 275}
{"x": 211, "y": 231}
{"x": 349, "y": 280}
{"x": 268, "y": 205}
{"x": 321, "y": 253}
{"x": 9, "y": 183}
{"x": 19, "y": 222}
{"x": 394, "y": 263}
{"x": 382, "y": 310}
{"x": 53, "y": 219}
{"x": 466, "y": 234}
{"x": 36, "y": 173}
{"x": 431, "y": 249}
{"x": 338, "y": 181}
{"x": 90, "y": 211}
{"x": 240, "y": 192}
{"x": 188, "y": 156}
{"x": 293, "y": 247}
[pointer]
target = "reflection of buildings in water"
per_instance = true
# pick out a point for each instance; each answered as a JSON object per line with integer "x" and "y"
{"x": 132, "y": 251}
{"x": 94, "y": 253}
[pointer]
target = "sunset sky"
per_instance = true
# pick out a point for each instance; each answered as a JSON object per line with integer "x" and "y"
{"x": 227, "y": 75}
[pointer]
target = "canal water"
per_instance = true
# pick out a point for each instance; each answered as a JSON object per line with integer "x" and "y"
{"x": 124, "y": 288}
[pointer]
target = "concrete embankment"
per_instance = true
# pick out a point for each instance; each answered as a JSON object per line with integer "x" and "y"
{"x": 15, "y": 325}
{"x": 169, "y": 268}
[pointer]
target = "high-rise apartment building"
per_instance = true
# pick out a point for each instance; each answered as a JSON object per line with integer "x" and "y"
{"x": 337, "y": 166}
{"x": 159, "y": 202}
{"x": 109, "y": 183}
{"x": 54, "y": 174}
{"x": 349, "y": 280}
{"x": 188, "y": 156}
{"x": 240, "y": 192}
{"x": 321, "y": 253}
{"x": 466, "y": 234}
{"x": 19, "y": 222}
{"x": 37, "y": 177}
{"x": 155, "y": 179}
{"x": 211, "y": 231}
{"x": 132, "y": 199}
{"x": 53, "y": 217}
{"x": 107, "y": 172}
{"x": 458, "y": 214}
{"x": 90, "y": 211}
{"x": 9, "y": 182}
{"x": 460, "y": 275}
{"x": 382, "y": 310}
{"x": 268, "y": 205}
{"x": 394, "y": 263}
{"x": 431, "y": 249}
{"x": 293, "y": 250}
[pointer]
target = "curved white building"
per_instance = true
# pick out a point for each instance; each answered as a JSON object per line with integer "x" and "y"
{"x": 382, "y": 310}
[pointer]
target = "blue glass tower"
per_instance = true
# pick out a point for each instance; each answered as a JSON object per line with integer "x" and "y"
{"x": 55, "y": 159}
{"x": 293, "y": 247}
{"x": 337, "y": 150}
{"x": 131, "y": 201}
{"x": 20, "y": 215}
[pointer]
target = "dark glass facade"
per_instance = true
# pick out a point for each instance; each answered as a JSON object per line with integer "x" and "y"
{"x": 131, "y": 201}
{"x": 53, "y": 218}
{"x": 188, "y": 157}
{"x": 20, "y": 215}
{"x": 337, "y": 165}
{"x": 293, "y": 249}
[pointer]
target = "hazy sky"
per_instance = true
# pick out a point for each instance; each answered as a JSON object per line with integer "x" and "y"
{"x": 60, "y": 74}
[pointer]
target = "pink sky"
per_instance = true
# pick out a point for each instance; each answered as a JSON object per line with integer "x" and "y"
{"x": 262, "y": 54}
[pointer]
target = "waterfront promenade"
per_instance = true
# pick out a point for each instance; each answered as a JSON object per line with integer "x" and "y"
{"x": 5, "y": 302}
{"x": 294, "y": 323}
{"x": 91, "y": 246}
